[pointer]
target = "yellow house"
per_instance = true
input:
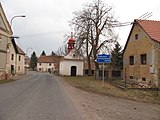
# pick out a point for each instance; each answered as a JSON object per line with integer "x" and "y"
{"x": 142, "y": 54}
{"x": 5, "y": 34}
{"x": 11, "y": 56}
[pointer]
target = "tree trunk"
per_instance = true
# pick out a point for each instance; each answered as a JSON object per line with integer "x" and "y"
{"x": 89, "y": 67}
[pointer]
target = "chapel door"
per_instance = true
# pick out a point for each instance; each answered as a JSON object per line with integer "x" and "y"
{"x": 73, "y": 70}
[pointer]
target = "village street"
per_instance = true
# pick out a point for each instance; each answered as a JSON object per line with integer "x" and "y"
{"x": 42, "y": 96}
{"x": 38, "y": 96}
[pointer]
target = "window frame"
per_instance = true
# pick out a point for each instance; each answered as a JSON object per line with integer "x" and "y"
{"x": 12, "y": 56}
{"x": 136, "y": 36}
{"x": 19, "y": 58}
{"x": 131, "y": 60}
{"x": 143, "y": 59}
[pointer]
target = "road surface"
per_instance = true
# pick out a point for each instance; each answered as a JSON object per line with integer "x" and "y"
{"x": 39, "y": 96}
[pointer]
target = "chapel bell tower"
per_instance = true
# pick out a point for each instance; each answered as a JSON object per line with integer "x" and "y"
{"x": 71, "y": 43}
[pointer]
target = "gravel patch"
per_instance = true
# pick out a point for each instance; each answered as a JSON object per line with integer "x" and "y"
{"x": 100, "y": 107}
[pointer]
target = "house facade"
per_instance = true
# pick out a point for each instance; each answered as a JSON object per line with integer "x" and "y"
{"x": 142, "y": 54}
{"x": 10, "y": 62}
{"x": 5, "y": 34}
{"x": 48, "y": 63}
{"x": 20, "y": 61}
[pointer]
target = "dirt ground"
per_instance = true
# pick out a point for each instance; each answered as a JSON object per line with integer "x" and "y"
{"x": 99, "y": 107}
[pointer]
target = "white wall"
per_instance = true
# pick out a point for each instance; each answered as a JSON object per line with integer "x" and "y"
{"x": 45, "y": 66}
{"x": 65, "y": 67}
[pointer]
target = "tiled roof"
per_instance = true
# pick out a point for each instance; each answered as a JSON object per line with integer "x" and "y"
{"x": 48, "y": 59}
{"x": 20, "y": 51}
{"x": 151, "y": 27}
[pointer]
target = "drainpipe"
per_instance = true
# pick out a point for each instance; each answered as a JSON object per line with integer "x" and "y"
{"x": 153, "y": 61}
{"x": 16, "y": 64}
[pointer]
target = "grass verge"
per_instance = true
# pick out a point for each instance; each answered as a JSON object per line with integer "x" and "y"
{"x": 96, "y": 86}
{"x": 6, "y": 81}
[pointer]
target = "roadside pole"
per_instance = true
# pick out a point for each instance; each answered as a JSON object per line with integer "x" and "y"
{"x": 103, "y": 75}
{"x": 103, "y": 58}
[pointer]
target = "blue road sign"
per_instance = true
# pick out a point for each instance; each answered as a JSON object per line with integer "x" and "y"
{"x": 103, "y": 58}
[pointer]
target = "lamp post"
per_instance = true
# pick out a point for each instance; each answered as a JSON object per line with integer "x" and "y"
{"x": 16, "y": 17}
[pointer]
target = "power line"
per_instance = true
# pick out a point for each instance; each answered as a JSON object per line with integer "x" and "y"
{"x": 146, "y": 15}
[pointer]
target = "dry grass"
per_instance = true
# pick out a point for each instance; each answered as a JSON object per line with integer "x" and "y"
{"x": 96, "y": 86}
{"x": 6, "y": 81}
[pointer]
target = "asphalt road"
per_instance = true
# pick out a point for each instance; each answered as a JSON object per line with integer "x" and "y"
{"x": 39, "y": 96}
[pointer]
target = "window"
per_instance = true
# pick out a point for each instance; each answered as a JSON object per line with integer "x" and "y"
{"x": 39, "y": 64}
{"x": 19, "y": 58}
{"x": 143, "y": 59}
{"x": 131, "y": 60}
{"x": 143, "y": 79}
{"x": 50, "y": 64}
{"x": 74, "y": 55}
{"x": 19, "y": 68}
{"x": 136, "y": 36}
{"x": 12, "y": 57}
{"x": 131, "y": 77}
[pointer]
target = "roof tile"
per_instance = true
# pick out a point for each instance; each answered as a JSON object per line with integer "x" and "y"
{"x": 151, "y": 27}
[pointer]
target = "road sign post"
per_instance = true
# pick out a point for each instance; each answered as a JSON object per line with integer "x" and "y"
{"x": 103, "y": 58}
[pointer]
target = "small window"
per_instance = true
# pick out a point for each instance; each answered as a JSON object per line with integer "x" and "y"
{"x": 143, "y": 79}
{"x": 143, "y": 59}
{"x": 50, "y": 64}
{"x": 39, "y": 64}
{"x": 131, "y": 77}
{"x": 19, "y": 58}
{"x": 131, "y": 60}
{"x": 136, "y": 36}
{"x": 12, "y": 57}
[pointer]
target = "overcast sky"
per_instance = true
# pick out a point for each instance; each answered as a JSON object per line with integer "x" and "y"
{"x": 47, "y": 21}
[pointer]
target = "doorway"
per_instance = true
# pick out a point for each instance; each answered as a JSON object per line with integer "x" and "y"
{"x": 73, "y": 70}
{"x": 12, "y": 69}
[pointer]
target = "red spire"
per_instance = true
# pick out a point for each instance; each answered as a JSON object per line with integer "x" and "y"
{"x": 71, "y": 43}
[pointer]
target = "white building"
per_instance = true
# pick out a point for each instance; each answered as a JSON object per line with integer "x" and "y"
{"x": 48, "y": 63}
{"x": 72, "y": 64}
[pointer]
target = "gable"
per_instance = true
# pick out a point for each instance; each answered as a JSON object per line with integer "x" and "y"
{"x": 73, "y": 55}
{"x": 143, "y": 36}
{"x": 4, "y": 24}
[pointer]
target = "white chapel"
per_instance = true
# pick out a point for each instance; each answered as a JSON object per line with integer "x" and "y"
{"x": 72, "y": 64}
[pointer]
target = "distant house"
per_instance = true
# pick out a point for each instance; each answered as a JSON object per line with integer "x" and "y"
{"x": 72, "y": 64}
{"x": 5, "y": 34}
{"x": 48, "y": 63}
{"x": 86, "y": 71}
{"x": 142, "y": 54}
{"x": 27, "y": 62}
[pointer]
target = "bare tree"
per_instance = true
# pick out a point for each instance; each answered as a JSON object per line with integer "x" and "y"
{"x": 62, "y": 50}
{"x": 94, "y": 28}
